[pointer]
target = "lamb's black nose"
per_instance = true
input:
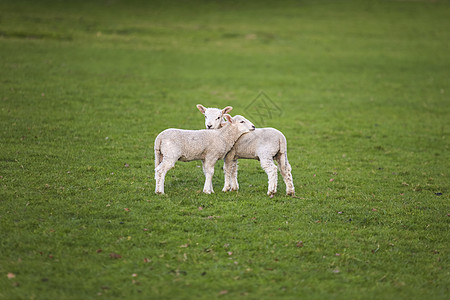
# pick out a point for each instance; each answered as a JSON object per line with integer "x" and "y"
{"x": 209, "y": 126}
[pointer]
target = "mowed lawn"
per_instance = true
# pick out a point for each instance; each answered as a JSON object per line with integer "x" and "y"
{"x": 359, "y": 88}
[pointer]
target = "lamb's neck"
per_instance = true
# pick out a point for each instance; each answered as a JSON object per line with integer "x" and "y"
{"x": 230, "y": 135}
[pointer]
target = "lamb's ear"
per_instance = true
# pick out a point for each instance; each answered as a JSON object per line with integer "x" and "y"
{"x": 227, "y": 110}
{"x": 228, "y": 118}
{"x": 201, "y": 108}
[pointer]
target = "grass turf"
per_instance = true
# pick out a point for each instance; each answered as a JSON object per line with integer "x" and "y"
{"x": 362, "y": 88}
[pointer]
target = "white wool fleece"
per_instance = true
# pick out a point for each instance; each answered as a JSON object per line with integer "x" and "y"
{"x": 264, "y": 144}
{"x": 208, "y": 146}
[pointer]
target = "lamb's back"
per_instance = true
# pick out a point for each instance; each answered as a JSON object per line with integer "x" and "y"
{"x": 187, "y": 145}
{"x": 258, "y": 142}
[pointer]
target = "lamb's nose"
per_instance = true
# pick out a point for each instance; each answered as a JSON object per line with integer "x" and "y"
{"x": 209, "y": 126}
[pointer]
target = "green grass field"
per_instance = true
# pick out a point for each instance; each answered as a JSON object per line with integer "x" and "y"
{"x": 362, "y": 89}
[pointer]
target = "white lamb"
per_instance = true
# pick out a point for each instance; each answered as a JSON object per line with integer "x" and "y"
{"x": 263, "y": 144}
{"x": 208, "y": 146}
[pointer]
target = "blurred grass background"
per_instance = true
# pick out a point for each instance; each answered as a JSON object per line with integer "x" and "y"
{"x": 363, "y": 91}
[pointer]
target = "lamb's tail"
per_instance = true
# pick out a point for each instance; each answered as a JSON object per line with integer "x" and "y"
{"x": 158, "y": 154}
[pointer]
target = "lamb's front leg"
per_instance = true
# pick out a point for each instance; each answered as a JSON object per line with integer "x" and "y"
{"x": 208, "y": 170}
{"x": 234, "y": 174}
{"x": 227, "y": 169}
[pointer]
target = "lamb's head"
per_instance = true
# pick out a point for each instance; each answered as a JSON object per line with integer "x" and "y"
{"x": 213, "y": 116}
{"x": 240, "y": 122}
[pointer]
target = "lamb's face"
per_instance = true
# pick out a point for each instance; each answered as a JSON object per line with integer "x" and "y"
{"x": 213, "y": 118}
{"x": 243, "y": 124}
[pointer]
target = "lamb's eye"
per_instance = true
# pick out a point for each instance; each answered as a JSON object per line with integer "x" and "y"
{"x": 218, "y": 118}
{"x": 205, "y": 117}
{"x": 242, "y": 122}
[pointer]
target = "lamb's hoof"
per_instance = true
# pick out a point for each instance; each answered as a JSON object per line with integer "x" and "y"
{"x": 159, "y": 193}
{"x": 226, "y": 189}
{"x": 271, "y": 194}
{"x": 291, "y": 193}
{"x": 208, "y": 192}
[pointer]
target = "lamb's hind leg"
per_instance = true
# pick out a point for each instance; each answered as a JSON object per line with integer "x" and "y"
{"x": 285, "y": 170}
{"x": 160, "y": 173}
{"x": 271, "y": 169}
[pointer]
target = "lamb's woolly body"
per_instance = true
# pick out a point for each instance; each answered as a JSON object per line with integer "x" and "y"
{"x": 208, "y": 146}
{"x": 188, "y": 145}
{"x": 260, "y": 142}
{"x": 264, "y": 144}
